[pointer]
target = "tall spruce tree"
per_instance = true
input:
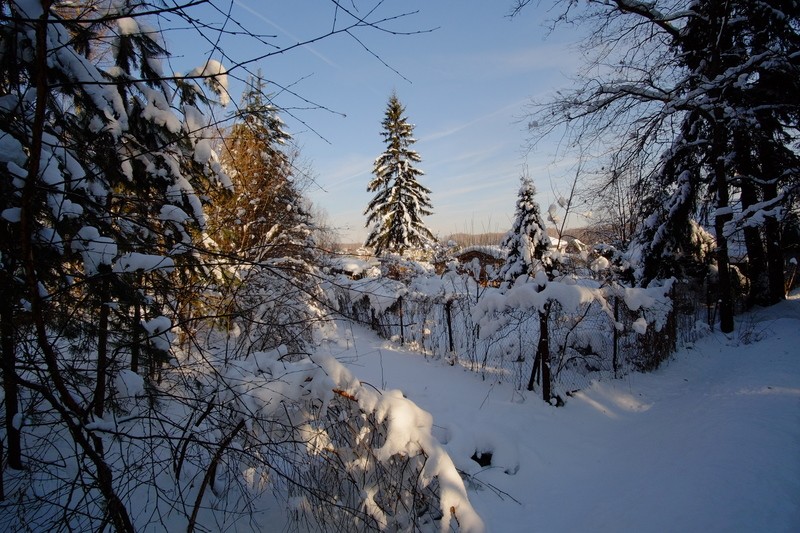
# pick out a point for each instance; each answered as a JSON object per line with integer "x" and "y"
{"x": 396, "y": 211}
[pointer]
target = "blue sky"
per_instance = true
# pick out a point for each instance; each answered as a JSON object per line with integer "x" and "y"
{"x": 465, "y": 86}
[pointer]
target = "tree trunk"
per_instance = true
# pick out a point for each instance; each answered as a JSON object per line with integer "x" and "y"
{"x": 102, "y": 353}
{"x": 448, "y": 312}
{"x": 402, "y": 326}
{"x": 136, "y": 348}
{"x": 719, "y": 150}
{"x": 772, "y": 230}
{"x": 757, "y": 293}
{"x": 537, "y": 363}
{"x": 102, "y": 348}
{"x": 10, "y": 385}
{"x": 56, "y": 392}
{"x": 542, "y": 360}
{"x": 615, "y": 339}
{"x": 28, "y": 215}
{"x": 725, "y": 289}
{"x": 775, "y": 263}
{"x": 725, "y": 294}
{"x": 543, "y": 351}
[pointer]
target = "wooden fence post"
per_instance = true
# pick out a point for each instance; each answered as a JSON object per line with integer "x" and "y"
{"x": 402, "y": 328}
{"x": 447, "y": 308}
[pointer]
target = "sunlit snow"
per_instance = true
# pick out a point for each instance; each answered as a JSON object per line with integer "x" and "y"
{"x": 706, "y": 443}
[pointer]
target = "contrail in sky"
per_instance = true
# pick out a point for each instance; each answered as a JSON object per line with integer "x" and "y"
{"x": 284, "y": 31}
{"x": 455, "y": 129}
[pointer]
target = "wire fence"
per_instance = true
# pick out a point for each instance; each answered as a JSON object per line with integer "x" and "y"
{"x": 600, "y": 338}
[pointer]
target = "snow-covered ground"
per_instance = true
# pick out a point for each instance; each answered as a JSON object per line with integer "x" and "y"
{"x": 709, "y": 442}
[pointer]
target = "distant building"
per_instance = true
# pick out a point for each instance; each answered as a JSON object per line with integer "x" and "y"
{"x": 480, "y": 262}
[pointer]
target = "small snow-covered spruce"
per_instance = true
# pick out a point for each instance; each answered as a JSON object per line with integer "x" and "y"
{"x": 527, "y": 241}
{"x": 395, "y": 213}
{"x": 662, "y": 246}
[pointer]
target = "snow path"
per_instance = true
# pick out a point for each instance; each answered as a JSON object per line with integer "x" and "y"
{"x": 709, "y": 442}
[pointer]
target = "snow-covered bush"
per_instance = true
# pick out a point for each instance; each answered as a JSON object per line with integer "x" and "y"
{"x": 220, "y": 439}
{"x": 595, "y": 327}
{"x": 356, "y": 458}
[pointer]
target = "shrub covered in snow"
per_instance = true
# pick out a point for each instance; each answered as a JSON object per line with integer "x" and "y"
{"x": 595, "y": 327}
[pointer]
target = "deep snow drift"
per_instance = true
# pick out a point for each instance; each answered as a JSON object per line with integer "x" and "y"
{"x": 709, "y": 442}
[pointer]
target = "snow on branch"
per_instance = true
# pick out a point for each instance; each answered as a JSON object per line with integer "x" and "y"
{"x": 215, "y": 76}
{"x": 755, "y": 215}
{"x": 381, "y": 431}
{"x": 649, "y": 11}
{"x": 492, "y": 311}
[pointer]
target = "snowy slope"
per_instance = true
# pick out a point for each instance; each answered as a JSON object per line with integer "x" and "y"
{"x": 709, "y": 442}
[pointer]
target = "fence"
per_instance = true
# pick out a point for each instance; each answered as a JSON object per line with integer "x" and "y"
{"x": 604, "y": 337}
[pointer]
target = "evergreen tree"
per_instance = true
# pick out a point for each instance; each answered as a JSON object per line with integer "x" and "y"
{"x": 528, "y": 244}
{"x": 765, "y": 165}
{"x": 734, "y": 155}
{"x": 102, "y": 167}
{"x": 527, "y": 241}
{"x": 263, "y": 226}
{"x": 663, "y": 242}
{"x": 396, "y": 211}
{"x": 265, "y": 215}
